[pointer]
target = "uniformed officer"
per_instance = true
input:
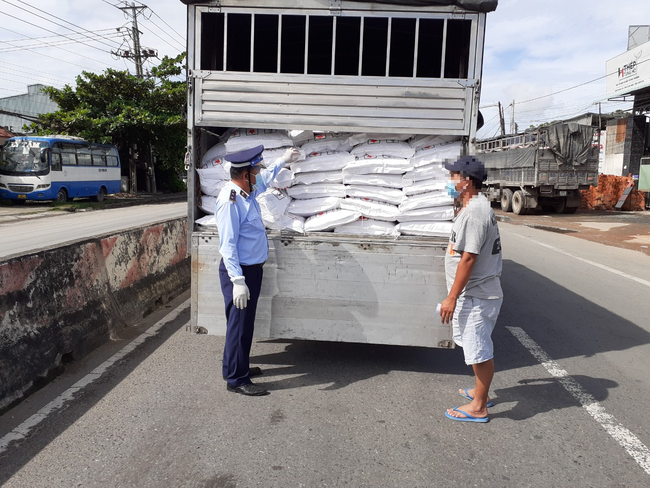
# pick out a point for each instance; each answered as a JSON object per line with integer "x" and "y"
{"x": 244, "y": 248}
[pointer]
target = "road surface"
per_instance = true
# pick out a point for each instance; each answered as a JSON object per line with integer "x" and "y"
{"x": 27, "y": 235}
{"x": 571, "y": 394}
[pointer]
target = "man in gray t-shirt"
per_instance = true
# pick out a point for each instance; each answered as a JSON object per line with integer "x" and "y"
{"x": 473, "y": 270}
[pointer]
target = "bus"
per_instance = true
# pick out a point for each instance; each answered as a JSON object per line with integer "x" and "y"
{"x": 57, "y": 168}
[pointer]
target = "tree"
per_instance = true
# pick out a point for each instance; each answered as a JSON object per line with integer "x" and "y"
{"x": 118, "y": 108}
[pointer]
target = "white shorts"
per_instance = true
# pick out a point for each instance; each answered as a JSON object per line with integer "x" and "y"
{"x": 473, "y": 323}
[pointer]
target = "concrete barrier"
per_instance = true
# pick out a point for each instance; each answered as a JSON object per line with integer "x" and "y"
{"x": 59, "y": 304}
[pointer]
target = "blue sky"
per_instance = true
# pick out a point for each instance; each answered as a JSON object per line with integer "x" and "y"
{"x": 533, "y": 48}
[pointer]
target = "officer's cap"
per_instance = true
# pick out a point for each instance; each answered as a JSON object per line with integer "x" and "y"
{"x": 248, "y": 157}
{"x": 468, "y": 166}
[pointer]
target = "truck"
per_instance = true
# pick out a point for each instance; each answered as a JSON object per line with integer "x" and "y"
{"x": 546, "y": 167}
{"x": 397, "y": 67}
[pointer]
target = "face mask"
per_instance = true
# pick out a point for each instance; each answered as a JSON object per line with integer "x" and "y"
{"x": 451, "y": 190}
{"x": 257, "y": 184}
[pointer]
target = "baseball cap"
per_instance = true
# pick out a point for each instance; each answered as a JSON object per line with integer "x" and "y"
{"x": 468, "y": 166}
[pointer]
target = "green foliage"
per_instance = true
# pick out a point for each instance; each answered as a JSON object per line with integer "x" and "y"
{"x": 118, "y": 108}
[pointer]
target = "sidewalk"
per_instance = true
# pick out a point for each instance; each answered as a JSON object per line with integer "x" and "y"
{"x": 34, "y": 210}
{"x": 628, "y": 230}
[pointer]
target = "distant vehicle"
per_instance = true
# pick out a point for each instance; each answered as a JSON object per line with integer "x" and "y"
{"x": 547, "y": 167}
{"x": 58, "y": 168}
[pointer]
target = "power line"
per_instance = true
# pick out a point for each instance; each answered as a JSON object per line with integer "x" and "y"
{"x": 42, "y": 44}
{"x": 164, "y": 31}
{"x": 152, "y": 32}
{"x": 179, "y": 35}
{"x": 578, "y": 86}
{"x": 47, "y": 37}
{"x": 41, "y": 27}
{"x": 68, "y": 22}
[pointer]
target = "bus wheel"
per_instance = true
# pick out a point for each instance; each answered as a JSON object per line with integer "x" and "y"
{"x": 100, "y": 196}
{"x": 62, "y": 196}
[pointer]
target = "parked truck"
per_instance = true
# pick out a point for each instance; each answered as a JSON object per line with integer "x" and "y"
{"x": 398, "y": 67}
{"x": 546, "y": 167}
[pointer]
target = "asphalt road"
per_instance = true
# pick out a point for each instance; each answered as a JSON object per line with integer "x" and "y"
{"x": 571, "y": 394}
{"x": 21, "y": 233}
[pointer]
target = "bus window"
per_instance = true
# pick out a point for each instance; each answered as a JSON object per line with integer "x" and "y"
{"x": 84, "y": 157}
{"x": 57, "y": 164}
{"x": 68, "y": 153}
{"x": 99, "y": 156}
{"x": 112, "y": 160}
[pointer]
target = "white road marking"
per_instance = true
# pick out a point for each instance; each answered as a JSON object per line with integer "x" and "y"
{"x": 24, "y": 429}
{"x": 593, "y": 263}
{"x": 634, "y": 447}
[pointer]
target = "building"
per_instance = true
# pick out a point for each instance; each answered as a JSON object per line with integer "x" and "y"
{"x": 4, "y": 135}
{"x": 19, "y": 110}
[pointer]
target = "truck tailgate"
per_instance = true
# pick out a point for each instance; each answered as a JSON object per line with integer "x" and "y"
{"x": 335, "y": 288}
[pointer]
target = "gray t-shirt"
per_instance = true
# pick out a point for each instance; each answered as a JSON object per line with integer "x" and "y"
{"x": 475, "y": 230}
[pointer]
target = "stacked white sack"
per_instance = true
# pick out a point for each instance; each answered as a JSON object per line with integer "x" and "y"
{"x": 317, "y": 182}
{"x": 368, "y": 227}
{"x": 428, "y": 210}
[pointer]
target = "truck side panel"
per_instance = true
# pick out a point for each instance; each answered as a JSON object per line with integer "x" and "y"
{"x": 335, "y": 289}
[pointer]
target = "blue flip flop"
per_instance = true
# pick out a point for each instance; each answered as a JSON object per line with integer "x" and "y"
{"x": 467, "y": 395}
{"x": 467, "y": 418}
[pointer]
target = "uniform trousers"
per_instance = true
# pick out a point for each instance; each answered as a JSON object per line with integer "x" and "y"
{"x": 240, "y": 324}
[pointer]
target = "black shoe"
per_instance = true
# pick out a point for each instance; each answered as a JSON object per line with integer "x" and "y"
{"x": 249, "y": 389}
{"x": 254, "y": 371}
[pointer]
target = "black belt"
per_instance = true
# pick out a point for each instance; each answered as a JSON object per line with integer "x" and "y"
{"x": 261, "y": 265}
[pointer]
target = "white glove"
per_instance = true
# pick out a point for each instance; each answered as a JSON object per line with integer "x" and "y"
{"x": 240, "y": 292}
{"x": 291, "y": 155}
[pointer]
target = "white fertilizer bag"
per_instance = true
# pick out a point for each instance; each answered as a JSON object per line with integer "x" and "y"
{"x": 388, "y": 181}
{"x": 207, "y": 221}
{"x": 327, "y": 141}
{"x": 292, "y": 223}
{"x": 424, "y": 200}
{"x": 435, "y": 170}
{"x": 212, "y": 179}
{"x": 271, "y": 155}
{"x": 429, "y": 229}
{"x": 313, "y": 206}
{"x": 368, "y": 227}
{"x": 299, "y": 137}
{"x": 214, "y": 156}
{"x": 393, "y": 196}
{"x": 386, "y": 165}
{"x": 425, "y": 186}
{"x": 322, "y": 161}
{"x": 371, "y": 210}
{"x": 428, "y": 214}
{"x": 318, "y": 177}
{"x": 273, "y": 204}
{"x": 376, "y": 147}
{"x": 436, "y": 154}
{"x": 302, "y": 192}
{"x": 330, "y": 220}
{"x": 282, "y": 180}
{"x": 421, "y": 141}
{"x": 208, "y": 204}
{"x": 242, "y": 139}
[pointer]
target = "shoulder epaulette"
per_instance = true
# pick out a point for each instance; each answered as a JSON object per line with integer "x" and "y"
{"x": 233, "y": 196}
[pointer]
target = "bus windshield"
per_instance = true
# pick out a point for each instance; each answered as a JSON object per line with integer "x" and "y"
{"x": 24, "y": 157}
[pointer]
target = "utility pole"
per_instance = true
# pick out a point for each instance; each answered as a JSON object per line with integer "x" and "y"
{"x": 513, "y": 127}
{"x": 501, "y": 121}
{"x": 138, "y": 54}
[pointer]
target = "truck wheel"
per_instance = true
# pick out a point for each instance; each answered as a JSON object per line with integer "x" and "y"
{"x": 560, "y": 205}
{"x": 519, "y": 203}
{"x": 570, "y": 210}
{"x": 506, "y": 200}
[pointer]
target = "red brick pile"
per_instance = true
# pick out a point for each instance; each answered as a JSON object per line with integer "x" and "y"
{"x": 609, "y": 190}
